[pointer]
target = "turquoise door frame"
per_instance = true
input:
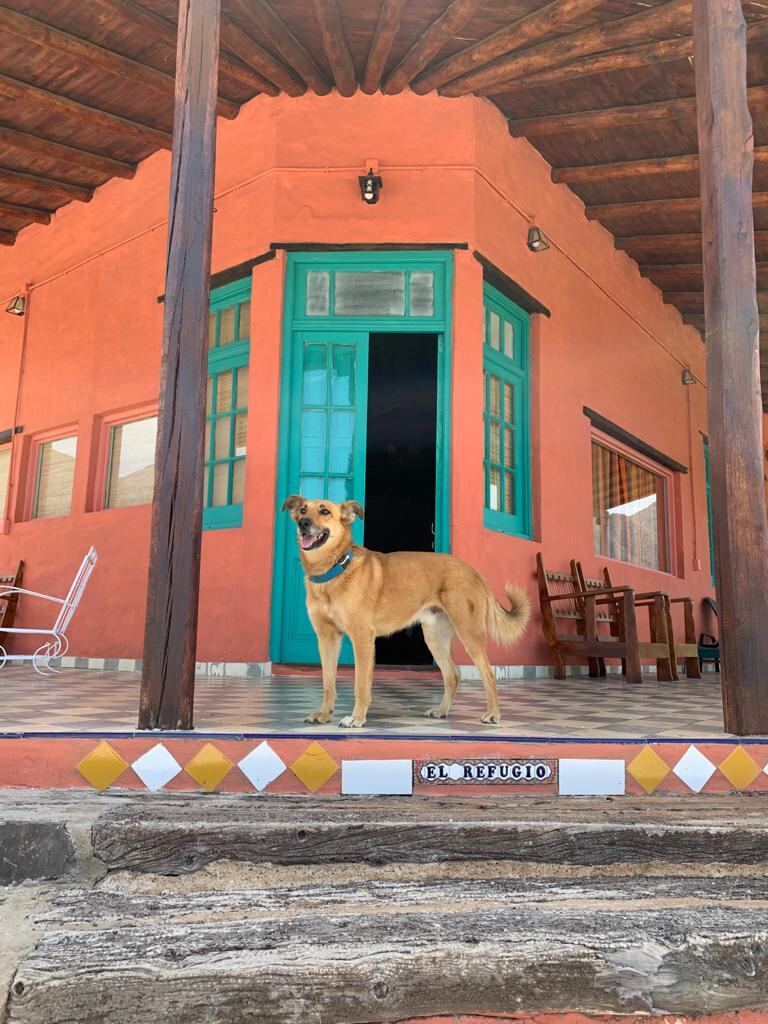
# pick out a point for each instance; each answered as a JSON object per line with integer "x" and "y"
{"x": 289, "y": 640}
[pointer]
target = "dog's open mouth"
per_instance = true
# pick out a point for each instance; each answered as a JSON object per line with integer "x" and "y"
{"x": 311, "y": 541}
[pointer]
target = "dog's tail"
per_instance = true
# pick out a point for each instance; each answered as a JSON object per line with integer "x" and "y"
{"x": 508, "y": 625}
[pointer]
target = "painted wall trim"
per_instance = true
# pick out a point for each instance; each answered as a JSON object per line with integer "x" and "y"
{"x": 632, "y": 441}
{"x": 366, "y": 246}
{"x": 509, "y": 288}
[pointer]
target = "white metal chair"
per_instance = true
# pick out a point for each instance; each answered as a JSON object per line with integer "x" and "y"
{"x": 56, "y": 646}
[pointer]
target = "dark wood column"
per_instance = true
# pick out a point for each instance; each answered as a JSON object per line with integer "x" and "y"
{"x": 170, "y": 636}
{"x": 733, "y": 371}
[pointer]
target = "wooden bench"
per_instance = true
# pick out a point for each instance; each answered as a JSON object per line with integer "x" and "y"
{"x": 564, "y": 596}
{"x": 8, "y": 604}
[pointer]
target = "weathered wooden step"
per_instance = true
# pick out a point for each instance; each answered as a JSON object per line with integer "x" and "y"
{"x": 373, "y": 967}
{"x": 123, "y": 906}
{"x": 164, "y": 838}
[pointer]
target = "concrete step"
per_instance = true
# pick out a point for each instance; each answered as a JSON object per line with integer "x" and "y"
{"x": 374, "y": 951}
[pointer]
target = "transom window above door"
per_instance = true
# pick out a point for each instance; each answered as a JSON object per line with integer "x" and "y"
{"x": 376, "y": 286}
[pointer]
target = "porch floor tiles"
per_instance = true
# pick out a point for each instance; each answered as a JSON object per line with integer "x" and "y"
{"x": 81, "y": 700}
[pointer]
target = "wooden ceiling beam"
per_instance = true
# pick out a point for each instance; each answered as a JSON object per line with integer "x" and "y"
{"x": 254, "y": 56}
{"x": 589, "y": 173}
{"x": 697, "y": 320}
{"x": 650, "y": 207}
{"x": 7, "y": 237}
{"x": 387, "y": 28}
{"x": 687, "y": 276}
{"x": 335, "y": 46}
{"x": 440, "y": 32}
{"x": 52, "y": 188}
{"x": 29, "y": 214}
{"x": 646, "y": 248}
{"x": 53, "y": 103}
{"x": 280, "y": 37}
{"x": 657, "y": 52}
{"x": 35, "y": 145}
{"x": 693, "y": 301}
{"x": 160, "y": 26}
{"x": 520, "y": 34}
{"x": 82, "y": 50}
{"x": 620, "y": 117}
{"x": 666, "y": 19}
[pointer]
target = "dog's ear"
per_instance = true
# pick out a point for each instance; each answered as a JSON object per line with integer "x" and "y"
{"x": 293, "y": 502}
{"x": 350, "y": 510}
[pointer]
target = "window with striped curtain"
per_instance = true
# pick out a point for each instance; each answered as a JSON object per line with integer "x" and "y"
{"x": 629, "y": 510}
{"x": 131, "y": 463}
{"x": 5, "y": 468}
{"x": 54, "y": 476}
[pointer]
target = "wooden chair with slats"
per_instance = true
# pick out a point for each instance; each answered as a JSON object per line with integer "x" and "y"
{"x": 659, "y": 619}
{"x": 8, "y": 604}
{"x": 562, "y": 597}
{"x": 687, "y": 649}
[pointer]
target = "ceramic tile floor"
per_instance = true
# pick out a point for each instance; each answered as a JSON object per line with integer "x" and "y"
{"x": 82, "y": 700}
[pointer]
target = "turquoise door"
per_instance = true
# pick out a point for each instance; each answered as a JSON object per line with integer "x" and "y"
{"x": 326, "y": 459}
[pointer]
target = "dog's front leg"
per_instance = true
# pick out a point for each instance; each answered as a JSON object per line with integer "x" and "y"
{"x": 329, "y": 642}
{"x": 364, "y": 645}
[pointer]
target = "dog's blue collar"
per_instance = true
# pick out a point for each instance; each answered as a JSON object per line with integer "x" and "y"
{"x": 334, "y": 571}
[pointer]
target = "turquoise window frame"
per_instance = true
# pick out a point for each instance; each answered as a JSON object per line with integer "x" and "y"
{"x": 226, "y": 358}
{"x": 515, "y": 371}
{"x": 296, "y": 321}
{"x": 710, "y": 528}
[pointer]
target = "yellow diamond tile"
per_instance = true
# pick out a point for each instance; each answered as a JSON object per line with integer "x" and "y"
{"x": 648, "y": 769}
{"x": 102, "y": 766}
{"x": 314, "y": 767}
{"x": 739, "y": 768}
{"x": 209, "y": 767}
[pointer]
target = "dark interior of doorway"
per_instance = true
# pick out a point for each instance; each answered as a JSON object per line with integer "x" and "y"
{"x": 400, "y": 467}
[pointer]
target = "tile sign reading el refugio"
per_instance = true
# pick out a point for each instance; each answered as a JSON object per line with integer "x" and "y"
{"x": 524, "y": 771}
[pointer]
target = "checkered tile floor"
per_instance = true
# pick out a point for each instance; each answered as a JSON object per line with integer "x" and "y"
{"x": 93, "y": 701}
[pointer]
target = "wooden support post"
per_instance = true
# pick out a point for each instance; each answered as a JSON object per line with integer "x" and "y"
{"x": 170, "y": 637}
{"x": 733, "y": 377}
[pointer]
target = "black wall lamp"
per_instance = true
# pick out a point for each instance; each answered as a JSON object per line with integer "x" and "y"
{"x": 370, "y": 186}
{"x": 16, "y": 306}
{"x": 537, "y": 240}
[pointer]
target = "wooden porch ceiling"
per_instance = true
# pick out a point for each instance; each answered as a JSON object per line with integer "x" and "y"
{"x": 604, "y": 89}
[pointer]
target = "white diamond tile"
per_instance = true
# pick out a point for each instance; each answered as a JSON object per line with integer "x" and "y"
{"x": 591, "y": 776}
{"x": 157, "y": 767}
{"x": 377, "y": 778}
{"x": 262, "y": 766}
{"x": 694, "y": 769}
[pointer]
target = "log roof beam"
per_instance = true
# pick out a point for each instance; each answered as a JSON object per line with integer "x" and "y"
{"x": 650, "y": 207}
{"x": 51, "y": 189}
{"x": 693, "y": 301}
{"x": 441, "y": 31}
{"x": 280, "y": 37}
{"x": 335, "y": 46}
{"x": 666, "y": 19}
{"x": 589, "y": 173}
{"x": 260, "y": 60}
{"x": 387, "y": 28}
{"x": 7, "y": 237}
{"x": 28, "y": 214}
{"x": 53, "y": 103}
{"x": 36, "y": 145}
{"x": 521, "y": 33}
{"x": 82, "y": 50}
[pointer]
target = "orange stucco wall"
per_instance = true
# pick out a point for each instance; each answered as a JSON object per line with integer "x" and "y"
{"x": 287, "y": 172}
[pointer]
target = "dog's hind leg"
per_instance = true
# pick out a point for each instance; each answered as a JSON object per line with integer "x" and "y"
{"x": 364, "y": 646}
{"x": 329, "y": 642}
{"x": 438, "y": 636}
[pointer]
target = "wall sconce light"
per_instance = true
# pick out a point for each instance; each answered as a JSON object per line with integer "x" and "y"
{"x": 16, "y": 306}
{"x": 370, "y": 186}
{"x": 537, "y": 240}
{"x": 687, "y": 376}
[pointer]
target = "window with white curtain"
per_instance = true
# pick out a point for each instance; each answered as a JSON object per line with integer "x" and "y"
{"x": 54, "y": 477}
{"x": 131, "y": 466}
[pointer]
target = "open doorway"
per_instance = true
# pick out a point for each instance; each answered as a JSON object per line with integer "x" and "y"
{"x": 400, "y": 463}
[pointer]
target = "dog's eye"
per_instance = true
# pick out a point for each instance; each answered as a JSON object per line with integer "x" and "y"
{"x": 302, "y": 511}
{"x": 324, "y": 512}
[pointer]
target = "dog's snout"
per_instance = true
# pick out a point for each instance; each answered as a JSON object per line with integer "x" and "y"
{"x": 305, "y": 522}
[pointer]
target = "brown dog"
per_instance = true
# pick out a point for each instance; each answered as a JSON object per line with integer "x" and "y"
{"x": 366, "y": 594}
